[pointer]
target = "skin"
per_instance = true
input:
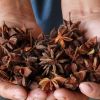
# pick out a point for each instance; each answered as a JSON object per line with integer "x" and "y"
{"x": 18, "y": 13}
{"x": 14, "y": 13}
{"x": 12, "y": 91}
{"x": 90, "y": 25}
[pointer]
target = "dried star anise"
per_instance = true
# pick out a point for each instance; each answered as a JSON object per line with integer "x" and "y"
{"x": 62, "y": 59}
{"x": 52, "y": 61}
{"x": 62, "y": 38}
{"x": 50, "y": 84}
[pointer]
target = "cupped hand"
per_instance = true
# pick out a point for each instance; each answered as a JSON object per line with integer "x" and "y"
{"x": 13, "y": 13}
{"x": 91, "y": 28}
{"x": 15, "y": 92}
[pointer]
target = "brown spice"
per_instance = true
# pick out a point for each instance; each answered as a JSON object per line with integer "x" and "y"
{"x": 63, "y": 59}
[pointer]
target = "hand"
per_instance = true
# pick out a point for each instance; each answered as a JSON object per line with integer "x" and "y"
{"x": 91, "y": 27}
{"x": 18, "y": 13}
{"x": 37, "y": 93}
{"x": 89, "y": 89}
{"x": 12, "y": 91}
{"x": 15, "y": 14}
{"x": 15, "y": 92}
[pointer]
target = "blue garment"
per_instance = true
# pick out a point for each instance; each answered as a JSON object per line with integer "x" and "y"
{"x": 48, "y": 13}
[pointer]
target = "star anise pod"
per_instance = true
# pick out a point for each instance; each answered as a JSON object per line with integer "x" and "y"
{"x": 67, "y": 33}
{"x": 57, "y": 82}
{"x": 88, "y": 47}
{"x": 51, "y": 61}
{"x": 72, "y": 53}
{"x": 70, "y": 25}
{"x": 62, "y": 39}
{"x": 93, "y": 68}
{"x": 40, "y": 45}
{"x": 3, "y": 75}
{"x": 48, "y": 84}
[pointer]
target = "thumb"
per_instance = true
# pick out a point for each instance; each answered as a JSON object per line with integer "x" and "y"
{"x": 64, "y": 94}
{"x": 37, "y": 94}
{"x": 90, "y": 89}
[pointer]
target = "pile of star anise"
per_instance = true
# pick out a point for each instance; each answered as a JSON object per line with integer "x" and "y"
{"x": 62, "y": 59}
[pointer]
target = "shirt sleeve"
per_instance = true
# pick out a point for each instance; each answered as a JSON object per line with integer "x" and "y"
{"x": 48, "y": 14}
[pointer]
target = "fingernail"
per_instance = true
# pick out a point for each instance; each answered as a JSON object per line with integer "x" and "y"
{"x": 85, "y": 88}
{"x": 61, "y": 99}
{"x": 38, "y": 99}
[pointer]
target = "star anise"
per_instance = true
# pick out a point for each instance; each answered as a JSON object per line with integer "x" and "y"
{"x": 88, "y": 47}
{"x": 49, "y": 84}
{"x": 51, "y": 61}
{"x": 57, "y": 82}
{"x": 93, "y": 68}
{"x": 72, "y": 53}
{"x": 62, "y": 39}
{"x": 67, "y": 33}
{"x": 40, "y": 45}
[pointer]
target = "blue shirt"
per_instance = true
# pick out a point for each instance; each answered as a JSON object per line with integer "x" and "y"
{"x": 48, "y": 14}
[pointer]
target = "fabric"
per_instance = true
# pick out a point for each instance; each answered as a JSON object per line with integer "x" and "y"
{"x": 48, "y": 13}
{"x": 3, "y": 98}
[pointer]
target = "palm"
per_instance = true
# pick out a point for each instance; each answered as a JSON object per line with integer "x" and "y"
{"x": 17, "y": 15}
{"x": 91, "y": 27}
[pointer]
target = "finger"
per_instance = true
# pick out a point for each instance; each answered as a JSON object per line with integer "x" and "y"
{"x": 37, "y": 94}
{"x": 90, "y": 89}
{"x": 62, "y": 94}
{"x": 12, "y": 91}
{"x": 51, "y": 97}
